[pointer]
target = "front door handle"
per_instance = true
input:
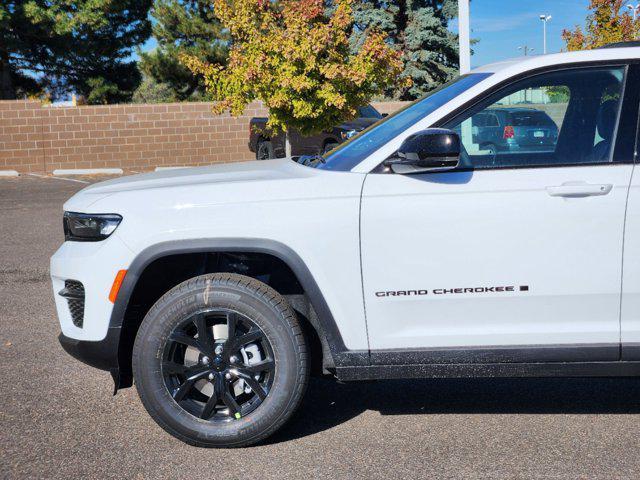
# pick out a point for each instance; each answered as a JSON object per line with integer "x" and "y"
{"x": 579, "y": 189}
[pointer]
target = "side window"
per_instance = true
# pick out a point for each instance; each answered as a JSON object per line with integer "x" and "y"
{"x": 559, "y": 118}
{"x": 479, "y": 120}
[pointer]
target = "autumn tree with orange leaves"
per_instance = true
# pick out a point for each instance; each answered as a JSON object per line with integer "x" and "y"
{"x": 609, "y": 22}
{"x": 295, "y": 58}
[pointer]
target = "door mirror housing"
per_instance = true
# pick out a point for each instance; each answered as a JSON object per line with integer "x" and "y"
{"x": 430, "y": 150}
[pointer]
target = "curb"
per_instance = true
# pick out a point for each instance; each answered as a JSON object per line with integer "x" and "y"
{"x": 88, "y": 171}
{"x": 159, "y": 169}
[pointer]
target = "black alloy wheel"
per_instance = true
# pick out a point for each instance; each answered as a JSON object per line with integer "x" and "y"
{"x": 265, "y": 150}
{"x": 221, "y": 360}
{"x": 218, "y": 379}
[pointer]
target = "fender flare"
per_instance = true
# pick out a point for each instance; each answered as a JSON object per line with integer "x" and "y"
{"x": 327, "y": 325}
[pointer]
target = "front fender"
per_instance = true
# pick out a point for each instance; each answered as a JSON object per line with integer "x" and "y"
{"x": 328, "y": 328}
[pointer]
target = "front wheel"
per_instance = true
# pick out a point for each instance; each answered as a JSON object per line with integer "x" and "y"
{"x": 220, "y": 361}
{"x": 265, "y": 150}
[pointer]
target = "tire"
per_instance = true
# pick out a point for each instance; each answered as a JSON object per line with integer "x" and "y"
{"x": 191, "y": 312}
{"x": 329, "y": 146}
{"x": 265, "y": 150}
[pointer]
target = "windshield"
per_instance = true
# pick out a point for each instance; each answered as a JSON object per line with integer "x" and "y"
{"x": 354, "y": 151}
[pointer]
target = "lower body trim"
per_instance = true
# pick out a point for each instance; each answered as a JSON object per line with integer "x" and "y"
{"x": 102, "y": 354}
{"x": 487, "y": 370}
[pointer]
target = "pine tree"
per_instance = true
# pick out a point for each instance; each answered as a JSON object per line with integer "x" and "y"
{"x": 82, "y": 46}
{"x": 418, "y": 28}
{"x": 184, "y": 27}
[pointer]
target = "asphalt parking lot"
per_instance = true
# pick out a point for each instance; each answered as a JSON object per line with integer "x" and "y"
{"x": 58, "y": 418}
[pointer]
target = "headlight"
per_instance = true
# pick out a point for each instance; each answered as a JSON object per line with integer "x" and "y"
{"x": 89, "y": 227}
{"x": 348, "y": 134}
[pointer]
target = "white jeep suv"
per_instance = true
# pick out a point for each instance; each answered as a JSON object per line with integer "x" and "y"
{"x": 426, "y": 246}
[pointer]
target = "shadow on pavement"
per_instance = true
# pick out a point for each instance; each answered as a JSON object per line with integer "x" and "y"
{"x": 328, "y": 403}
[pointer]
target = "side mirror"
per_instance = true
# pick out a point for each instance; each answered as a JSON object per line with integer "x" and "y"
{"x": 431, "y": 150}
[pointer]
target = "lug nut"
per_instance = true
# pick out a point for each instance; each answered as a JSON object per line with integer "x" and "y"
{"x": 205, "y": 360}
{"x": 218, "y": 350}
{"x": 233, "y": 359}
{"x": 227, "y": 376}
{"x": 211, "y": 376}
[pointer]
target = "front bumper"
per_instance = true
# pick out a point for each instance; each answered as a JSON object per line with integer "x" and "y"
{"x": 95, "y": 266}
{"x": 95, "y": 341}
{"x": 101, "y": 354}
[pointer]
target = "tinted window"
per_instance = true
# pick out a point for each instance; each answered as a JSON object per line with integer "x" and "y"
{"x": 492, "y": 121}
{"x": 479, "y": 120}
{"x": 559, "y": 118}
{"x": 354, "y": 151}
{"x": 533, "y": 118}
{"x": 369, "y": 112}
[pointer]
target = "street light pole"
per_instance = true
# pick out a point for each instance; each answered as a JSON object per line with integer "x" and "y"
{"x": 463, "y": 36}
{"x": 634, "y": 9}
{"x": 526, "y": 50}
{"x": 545, "y": 19}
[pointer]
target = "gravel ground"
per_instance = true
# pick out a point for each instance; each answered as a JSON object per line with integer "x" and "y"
{"x": 59, "y": 420}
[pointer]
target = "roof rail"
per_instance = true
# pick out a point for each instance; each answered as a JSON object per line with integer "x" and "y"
{"x": 630, "y": 43}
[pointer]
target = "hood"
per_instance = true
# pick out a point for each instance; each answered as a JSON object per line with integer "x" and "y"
{"x": 240, "y": 200}
{"x": 229, "y": 173}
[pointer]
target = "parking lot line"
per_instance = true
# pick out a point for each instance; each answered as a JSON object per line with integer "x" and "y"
{"x": 59, "y": 178}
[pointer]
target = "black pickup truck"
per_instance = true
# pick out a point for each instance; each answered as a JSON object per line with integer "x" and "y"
{"x": 266, "y": 146}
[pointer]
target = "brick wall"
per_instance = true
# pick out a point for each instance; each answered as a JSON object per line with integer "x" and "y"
{"x": 35, "y": 138}
{"x": 389, "y": 107}
{"x": 21, "y": 137}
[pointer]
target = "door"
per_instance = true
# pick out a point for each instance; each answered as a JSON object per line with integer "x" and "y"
{"x": 516, "y": 255}
{"x": 630, "y": 314}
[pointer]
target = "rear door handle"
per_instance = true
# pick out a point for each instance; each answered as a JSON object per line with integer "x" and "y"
{"x": 579, "y": 189}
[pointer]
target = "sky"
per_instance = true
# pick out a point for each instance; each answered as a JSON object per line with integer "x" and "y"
{"x": 501, "y": 26}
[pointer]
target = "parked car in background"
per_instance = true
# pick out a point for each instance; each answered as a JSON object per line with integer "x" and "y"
{"x": 267, "y": 146}
{"x": 513, "y": 129}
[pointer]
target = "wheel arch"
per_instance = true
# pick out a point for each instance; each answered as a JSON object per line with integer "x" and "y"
{"x": 311, "y": 305}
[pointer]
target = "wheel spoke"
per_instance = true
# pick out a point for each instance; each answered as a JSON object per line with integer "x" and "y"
{"x": 174, "y": 368}
{"x": 230, "y": 402}
{"x": 182, "y": 391}
{"x": 183, "y": 338}
{"x": 254, "y": 385}
{"x": 264, "y": 365}
{"x": 219, "y": 388}
{"x": 205, "y": 334}
{"x": 188, "y": 384}
{"x": 210, "y": 406}
{"x": 232, "y": 324}
{"x": 248, "y": 337}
